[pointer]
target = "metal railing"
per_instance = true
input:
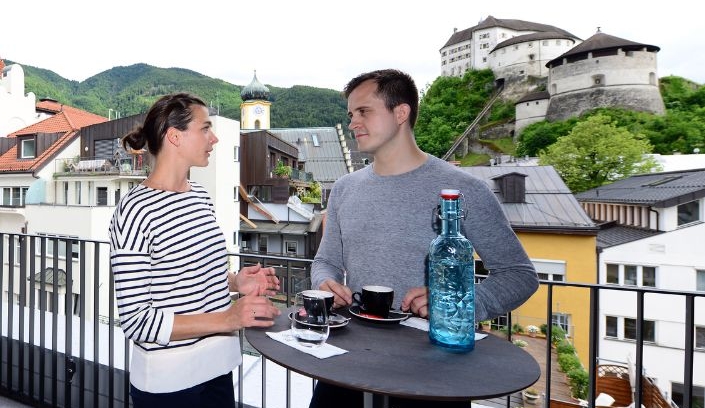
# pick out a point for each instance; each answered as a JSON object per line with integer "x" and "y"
{"x": 61, "y": 344}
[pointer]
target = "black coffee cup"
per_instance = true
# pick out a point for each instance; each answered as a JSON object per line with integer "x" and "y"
{"x": 328, "y": 297}
{"x": 375, "y": 300}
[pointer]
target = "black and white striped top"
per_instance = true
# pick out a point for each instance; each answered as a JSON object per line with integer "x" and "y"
{"x": 168, "y": 256}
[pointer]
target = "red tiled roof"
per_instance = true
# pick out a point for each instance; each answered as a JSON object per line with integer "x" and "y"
{"x": 68, "y": 120}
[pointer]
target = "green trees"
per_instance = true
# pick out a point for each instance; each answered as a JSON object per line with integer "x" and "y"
{"x": 597, "y": 152}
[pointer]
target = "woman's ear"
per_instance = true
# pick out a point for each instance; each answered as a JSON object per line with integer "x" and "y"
{"x": 173, "y": 136}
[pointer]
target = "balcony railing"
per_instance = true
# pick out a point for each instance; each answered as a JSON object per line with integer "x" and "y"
{"x": 62, "y": 346}
{"x": 134, "y": 165}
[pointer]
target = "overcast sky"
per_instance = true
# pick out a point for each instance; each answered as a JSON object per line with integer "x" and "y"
{"x": 318, "y": 43}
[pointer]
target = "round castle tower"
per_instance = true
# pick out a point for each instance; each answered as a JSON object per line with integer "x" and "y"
{"x": 604, "y": 71}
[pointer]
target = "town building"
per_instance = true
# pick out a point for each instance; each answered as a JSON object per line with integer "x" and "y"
{"x": 650, "y": 237}
{"x": 559, "y": 238}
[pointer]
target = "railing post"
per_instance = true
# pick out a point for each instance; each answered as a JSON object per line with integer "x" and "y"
{"x": 593, "y": 348}
{"x": 639, "y": 348}
{"x": 688, "y": 355}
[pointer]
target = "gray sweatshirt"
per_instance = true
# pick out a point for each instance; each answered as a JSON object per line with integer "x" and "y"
{"x": 379, "y": 229}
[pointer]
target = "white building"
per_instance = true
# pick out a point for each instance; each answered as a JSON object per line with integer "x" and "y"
{"x": 470, "y": 48}
{"x": 655, "y": 242}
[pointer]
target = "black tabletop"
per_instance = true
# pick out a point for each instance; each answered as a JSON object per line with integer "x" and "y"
{"x": 395, "y": 360}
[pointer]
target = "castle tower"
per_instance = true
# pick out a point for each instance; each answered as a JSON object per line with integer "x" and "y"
{"x": 255, "y": 108}
{"x": 604, "y": 71}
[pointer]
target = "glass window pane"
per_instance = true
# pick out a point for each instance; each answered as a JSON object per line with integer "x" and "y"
{"x": 613, "y": 273}
{"x": 611, "y": 326}
{"x": 630, "y": 329}
{"x": 648, "y": 276}
{"x": 688, "y": 212}
{"x": 700, "y": 280}
{"x": 543, "y": 276}
{"x": 700, "y": 337}
{"x": 630, "y": 275}
{"x": 649, "y": 330}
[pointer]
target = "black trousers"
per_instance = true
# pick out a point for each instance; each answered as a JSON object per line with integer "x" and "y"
{"x": 331, "y": 396}
{"x": 216, "y": 393}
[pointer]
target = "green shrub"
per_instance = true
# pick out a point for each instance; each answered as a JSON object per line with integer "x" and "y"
{"x": 517, "y": 328}
{"x": 543, "y": 328}
{"x": 578, "y": 379}
{"x": 568, "y": 362}
{"x": 557, "y": 334}
{"x": 564, "y": 347}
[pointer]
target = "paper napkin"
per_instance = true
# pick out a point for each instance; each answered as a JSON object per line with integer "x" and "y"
{"x": 422, "y": 324}
{"x": 324, "y": 351}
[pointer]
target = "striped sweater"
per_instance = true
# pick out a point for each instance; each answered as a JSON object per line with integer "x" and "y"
{"x": 168, "y": 257}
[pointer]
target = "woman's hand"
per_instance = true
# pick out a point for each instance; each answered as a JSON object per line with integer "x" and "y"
{"x": 251, "y": 311}
{"x": 251, "y": 278}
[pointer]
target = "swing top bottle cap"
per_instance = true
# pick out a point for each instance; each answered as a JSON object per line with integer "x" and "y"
{"x": 450, "y": 194}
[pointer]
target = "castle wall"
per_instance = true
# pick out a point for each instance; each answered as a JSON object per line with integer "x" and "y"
{"x": 626, "y": 80}
{"x": 529, "y": 112}
{"x": 528, "y": 58}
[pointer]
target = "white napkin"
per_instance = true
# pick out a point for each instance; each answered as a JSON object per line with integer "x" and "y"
{"x": 323, "y": 351}
{"x": 422, "y": 324}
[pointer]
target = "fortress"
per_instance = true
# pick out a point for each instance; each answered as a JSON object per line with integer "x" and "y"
{"x": 552, "y": 74}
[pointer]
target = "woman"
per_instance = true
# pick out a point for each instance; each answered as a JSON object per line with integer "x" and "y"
{"x": 169, "y": 263}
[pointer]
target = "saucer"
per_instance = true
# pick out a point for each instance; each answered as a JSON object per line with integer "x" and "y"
{"x": 394, "y": 316}
{"x": 335, "y": 320}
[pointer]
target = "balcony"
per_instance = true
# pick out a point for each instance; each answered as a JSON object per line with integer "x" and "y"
{"x": 62, "y": 345}
{"x": 134, "y": 165}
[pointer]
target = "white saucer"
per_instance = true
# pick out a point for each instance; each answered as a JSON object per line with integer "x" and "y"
{"x": 336, "y": 320}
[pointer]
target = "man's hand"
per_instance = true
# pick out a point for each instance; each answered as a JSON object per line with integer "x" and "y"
{"x": 343, "y": 294}
{"x": 416, "y": 301}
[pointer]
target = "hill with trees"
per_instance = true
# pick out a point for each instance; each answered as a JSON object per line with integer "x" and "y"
{"x": 130, "y": 90}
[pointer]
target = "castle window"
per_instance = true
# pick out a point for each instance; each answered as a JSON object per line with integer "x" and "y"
{"x": 544, "y": 43}
{"x": 558, "y": 42}
{"x": 443, "y": 54}
{"x": 598, "y": 80}
{"x": 516, "y": 47}
{"x": 531, "y": 44}
{"x": 629, "y": 53}
{"x": 531, "y": 57}
{"x": 484, "y": 59}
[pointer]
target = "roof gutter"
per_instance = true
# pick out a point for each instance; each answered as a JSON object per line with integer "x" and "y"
{"x": 651, "y": 209}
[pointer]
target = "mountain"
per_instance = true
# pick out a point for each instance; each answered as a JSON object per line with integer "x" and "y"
{"x": 125, "y": 91}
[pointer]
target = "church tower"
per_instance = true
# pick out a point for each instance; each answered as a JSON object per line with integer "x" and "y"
{"x": 255, "y": 108}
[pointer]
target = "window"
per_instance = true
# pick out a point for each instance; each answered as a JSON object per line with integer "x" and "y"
{"x": 262, "y": 243}
{"x": 66, "y": 192}
{"x": 116, "y": 196}
{"x": 51, "y": 241}
{"x": 314, "y": 138}
{"x": 611, "y": 326}
{"x": 14, "y": 196}
{"x": 627, "y": 328}
{"x": 688, "y": 212}
{"x": 77, "y": 187}
{"x": 700, "y": 280}
{"x": 291, "y": 247}
{"x": 28, "y": 150}
{"x": 236, "y": 154}
{"x": 102, "y": 196}
{"x": 630, "y": 329}
{"x": 561, "y": 320}
{"x": 548, "y": 269}
{"x": 700, "y": 337}
{"x": 677, "y": 391}
{"x": 648, "y": 277}
{"x": 632, "y": 275}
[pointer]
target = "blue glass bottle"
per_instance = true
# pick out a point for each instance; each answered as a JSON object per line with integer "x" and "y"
{"x": 451, "y": 280}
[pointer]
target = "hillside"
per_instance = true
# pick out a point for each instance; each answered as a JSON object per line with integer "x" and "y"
{"x": 132, "y": 89}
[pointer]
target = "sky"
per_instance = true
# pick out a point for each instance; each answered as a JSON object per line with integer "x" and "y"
{"x": 316, "y": 43}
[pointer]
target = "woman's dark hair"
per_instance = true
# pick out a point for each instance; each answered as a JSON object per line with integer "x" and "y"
{"x": 172, "y": 110}
{"x": 393, "y": 86}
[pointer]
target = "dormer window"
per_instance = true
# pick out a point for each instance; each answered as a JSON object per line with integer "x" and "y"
{"x": 28, "y": 149}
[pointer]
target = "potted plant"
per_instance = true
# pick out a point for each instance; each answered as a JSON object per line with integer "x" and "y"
{"x": 530, "y": 396}
{"x": 533, "y": 330}
{"x": 282, "y": 170}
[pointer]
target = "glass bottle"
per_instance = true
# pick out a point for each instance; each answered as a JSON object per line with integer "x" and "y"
{"x": 451, "y": 280}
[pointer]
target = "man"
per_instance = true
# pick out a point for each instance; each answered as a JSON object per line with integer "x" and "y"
{"x": 381, "y": 219}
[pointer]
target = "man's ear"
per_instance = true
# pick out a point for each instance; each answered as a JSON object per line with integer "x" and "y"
{"x": 401, "y": 113}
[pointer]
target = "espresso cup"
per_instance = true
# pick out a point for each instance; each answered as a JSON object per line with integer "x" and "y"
{"x": 375, "y": 300}
{"x": 328, "y": 297}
